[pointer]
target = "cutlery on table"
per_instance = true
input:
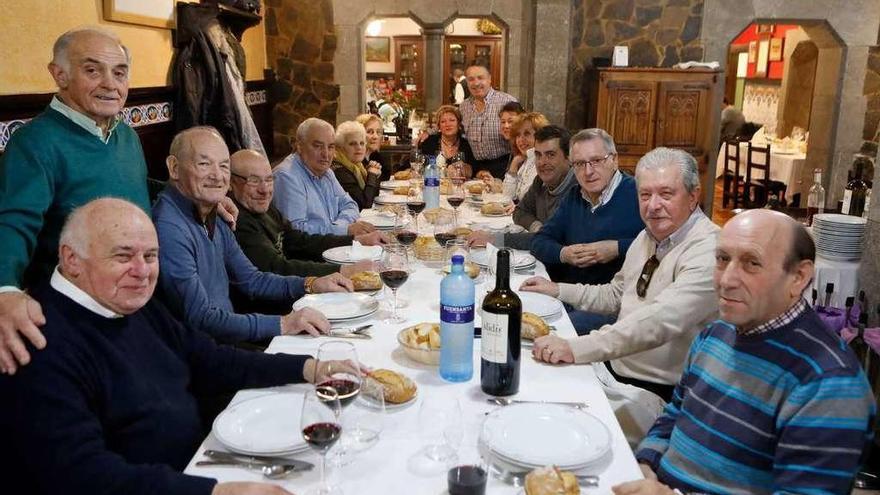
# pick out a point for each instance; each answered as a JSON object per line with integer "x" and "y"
{"x": 517, "y": 478}
{"x": 361, "y": 332}
{"x": 504, "y": 401}
{"x": 220, "y": 455}
{"x": 271, "y": 471}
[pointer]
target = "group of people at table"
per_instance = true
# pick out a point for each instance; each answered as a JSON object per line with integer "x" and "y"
{"x": 101, "y": 376}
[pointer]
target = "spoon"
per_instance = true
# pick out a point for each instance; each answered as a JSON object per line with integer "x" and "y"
{"x": 270, "y": 471}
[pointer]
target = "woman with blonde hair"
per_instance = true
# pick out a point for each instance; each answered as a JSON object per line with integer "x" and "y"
{"x": 522, "y": 170}
{"x": 451, "y": 143}
{"x": 373, "y": 125}
{"x": 359, "y": 181}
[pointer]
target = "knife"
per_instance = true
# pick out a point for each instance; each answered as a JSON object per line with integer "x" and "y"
{"x": 220, "y": 455}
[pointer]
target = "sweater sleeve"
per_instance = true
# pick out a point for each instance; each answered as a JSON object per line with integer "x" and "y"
{"x": 677, "y": 310}
{"x": 526, "y": 212}
{"x": 257, "y": 284}
{"x": 291, "y": 199}
{"x": 52, "y": 422}
{"x": 349, "y": 184}
{"x": 548, "y": 242}
{"x": 299, "y": 244}
{"x": 348, "y": 210}
{"x": 260, "y": 250}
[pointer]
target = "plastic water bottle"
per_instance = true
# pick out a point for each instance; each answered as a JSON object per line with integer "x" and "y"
{"x": 457, "y": 324}
{"x": 431, "y": 194}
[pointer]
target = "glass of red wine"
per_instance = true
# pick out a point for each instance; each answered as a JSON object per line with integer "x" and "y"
{"x": 337, "y": 362}
{"x": 455, "y": 198}
{"x": 319, "y": 423}
{"x": 394, "y": 271}
{"x": 416, "y": 204}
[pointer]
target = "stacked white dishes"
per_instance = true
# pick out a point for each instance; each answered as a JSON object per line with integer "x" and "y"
{"x": 339, "y": 307}
{"x": 839, "y": 237}
{"x": 519, "y": 260}
{"x": 342, "y": 254}
{"x": 542, "y": 305}
{"x": 530, "y": 435}
{"x": 262, "y": 425}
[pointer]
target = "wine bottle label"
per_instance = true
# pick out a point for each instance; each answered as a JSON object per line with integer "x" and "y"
{"x": 432, "y": 182}
{"x": 494, "y": 339}
{"x": 456, "y": 314}
{"x": 847, "y": 200}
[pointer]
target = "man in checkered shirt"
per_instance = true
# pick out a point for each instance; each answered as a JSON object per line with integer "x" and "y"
{"x": 482, "y": 126}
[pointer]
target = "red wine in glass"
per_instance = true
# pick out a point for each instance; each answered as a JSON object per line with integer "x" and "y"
{"x": 393, "y": 279}
{"x": 443, "y": 237}
{"x": 346, "y": 390}
{"x": 455, "y": 201}
{"x": 321, "y": 436}
{"x": 406, "y": 237}
{"x": 416, "y": 206}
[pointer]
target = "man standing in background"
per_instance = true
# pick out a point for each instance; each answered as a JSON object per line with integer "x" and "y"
{"x": 482, "y": 126}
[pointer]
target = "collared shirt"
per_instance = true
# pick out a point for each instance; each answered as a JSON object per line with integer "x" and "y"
{"x": 678, "y": 236}
{"x": 483, "y": 129}
{"x": 311, "y": 203}
{"x": 780, "y": 321}
{"x": 79, "y": 296}
{"x": 607, "y": 194}
{"x": 83, "y": 121}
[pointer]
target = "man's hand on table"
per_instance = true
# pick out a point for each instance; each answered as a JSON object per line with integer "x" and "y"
{"x": 360, "y": 227}
{"x": 552, "y": 349}
{"x": 374, "y": 238}
{"x": 584, "y": 255}
{"x": 335, "y": 282}
{"x": 479, "y": 238}
{"x": 360, "y": 266}
{"x": 325, "y": 369}
{"x": 306, "y": 320}
{"x": 227, "y": 210}
{"x": 643, "y": 487}
{"x": 248, "y": 488}
{"x": 540, "y": 285}
{"x": 20, "y": 315}
{"x": 647, "y": 472}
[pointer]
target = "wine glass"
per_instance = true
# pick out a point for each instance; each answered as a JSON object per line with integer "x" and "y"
{"x": 416, "y": 204}
{"x": 368, "y": 417}
{"x": 319, "y": 423}
{"x": 443, "y": 229}
{"x": 455, "y": 166}
{"x": 456, "y": 198}
{"x": 440, "y": 427}
{"x": 338, "y": 363}
{"x": 416, "y": 161}
{"x": 394, "y": 271}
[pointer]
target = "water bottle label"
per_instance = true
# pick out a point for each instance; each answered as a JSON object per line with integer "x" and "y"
{"x": 494, "y": 339}
{"x": 456, "y": 314}
{"x": 432, "y": 182}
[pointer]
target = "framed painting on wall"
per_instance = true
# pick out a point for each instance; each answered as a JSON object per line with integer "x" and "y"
{"x": 154, "y": 13}
{"x": 763, "y": 28}
{"x": 763, "y": 56}
{"x": 775, "y": 49}
{"x": 378, "y": 48}
{"x": 753, "y": 52}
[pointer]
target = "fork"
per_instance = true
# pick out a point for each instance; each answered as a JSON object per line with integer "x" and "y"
{"x": 360, "y": 332}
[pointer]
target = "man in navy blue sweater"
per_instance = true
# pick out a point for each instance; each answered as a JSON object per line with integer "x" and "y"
{"x": 109, "y": 406}
{"x": 200, "y": 256}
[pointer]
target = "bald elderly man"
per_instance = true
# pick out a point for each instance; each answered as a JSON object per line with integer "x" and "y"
{"x": 108, "y": 407}
{"x": 770, "y": 400}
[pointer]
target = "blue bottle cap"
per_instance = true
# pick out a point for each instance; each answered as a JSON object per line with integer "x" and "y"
{"x": 457, "y": 259}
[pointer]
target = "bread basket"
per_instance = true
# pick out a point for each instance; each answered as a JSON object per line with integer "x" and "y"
{"x": 418, "y": 354}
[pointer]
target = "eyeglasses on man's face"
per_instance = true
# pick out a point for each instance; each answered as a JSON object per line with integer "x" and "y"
{"x": 255, "y": 181}
{"x": 592, "y": 163}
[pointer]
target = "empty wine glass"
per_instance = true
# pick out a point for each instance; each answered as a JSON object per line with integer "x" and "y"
{"x": 368, "y": 417}
{"x": 455, "y": 167}
{"x": 416, "y": 161}
{"x": 394, "y": 271}
{"x": 319, "y": 423}
{"x": 440, "y": 427}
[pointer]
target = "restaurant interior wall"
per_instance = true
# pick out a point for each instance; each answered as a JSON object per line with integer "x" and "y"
{"x": 33, "y": 25}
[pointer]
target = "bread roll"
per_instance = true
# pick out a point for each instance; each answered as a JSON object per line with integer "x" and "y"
{"x": 462, "y": 231}
{"x": 401, "y": 190}
{"x": 423, "y": 336}
{"x": 476, "y": 188}
{"x": 397, "y": 388}
{"x": 551, "y": 480}
{"x": 366, "y": 281}
{"x": 433, "y": 215}
{"x": 403, "y": 174}
{"x": 445, "y": 186}
{"x": 533, "y": 326}
{"x": 492, "y": 209}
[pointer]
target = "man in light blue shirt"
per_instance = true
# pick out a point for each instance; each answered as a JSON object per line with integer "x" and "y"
{"x": 307, "y": 192}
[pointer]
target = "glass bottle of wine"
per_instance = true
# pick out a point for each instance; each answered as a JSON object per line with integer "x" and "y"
{"x": 816, "y": 197}
{"x": 500, "y": 347}
{"x": 855, "y": 193}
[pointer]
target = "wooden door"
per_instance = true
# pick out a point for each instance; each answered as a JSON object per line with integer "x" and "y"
{"x": 682, "y": 114}
{"x": 627, "y": 112}
{"x": 409, "y": 53}
{"x": 463, "y": 51}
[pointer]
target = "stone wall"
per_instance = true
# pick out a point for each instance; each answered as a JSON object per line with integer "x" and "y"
{"x": 300, "y": 46}
{"x": 871, "y": 134}
{"x": 659, "y": 33}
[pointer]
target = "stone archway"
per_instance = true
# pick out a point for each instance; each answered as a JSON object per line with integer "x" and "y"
{"x": 844, "y": 30}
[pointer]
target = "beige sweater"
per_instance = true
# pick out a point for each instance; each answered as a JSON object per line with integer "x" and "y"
{"x": 651, "y": 337}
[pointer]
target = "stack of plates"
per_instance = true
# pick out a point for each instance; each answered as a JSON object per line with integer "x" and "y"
{"x": 392, "y": 184}
{"x": 528, "y": 436}
{"x": 339, "y": 307}
{"x": 542, "y": 305}
{"x": 839, "y": 237}
{"x": 262, "y": 425}
{"x": 342, "y": 255}
{"x": 390, "y": 199}
{"x": 382, "y": 221}
{"x": 519, "y": 260}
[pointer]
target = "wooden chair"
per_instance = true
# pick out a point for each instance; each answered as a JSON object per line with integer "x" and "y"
{"x": 756, "y": 191}
{"x": 731, "y": 177}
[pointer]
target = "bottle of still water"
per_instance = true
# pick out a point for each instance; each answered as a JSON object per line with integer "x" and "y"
{"x": 431, "y": 193}
{"x": 457, "y": 324}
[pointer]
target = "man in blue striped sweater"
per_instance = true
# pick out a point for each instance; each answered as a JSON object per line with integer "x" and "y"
{"x": 770, "y": 400}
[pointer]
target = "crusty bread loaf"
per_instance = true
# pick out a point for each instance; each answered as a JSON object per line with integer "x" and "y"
{"x": 403, "y": 174}
{"x": 551, "y": 480}
{"x": 401, "y": 190}
{"x": 423, "y": 336}
{"x": 493, "y": 209}
{"x": 462, "y": 231}
{"x": 433, "y": 215}
{"x": 476, "y": 188}
{"x": 366, "y": 281}
{"x": 533, "y": 326}
{"x": 397, "y": 388}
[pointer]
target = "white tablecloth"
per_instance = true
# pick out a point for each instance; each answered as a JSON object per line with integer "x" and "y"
{"x": 843, "y": 274}
{"x": 390, "y": 467}
{"x": 783, "y": 167}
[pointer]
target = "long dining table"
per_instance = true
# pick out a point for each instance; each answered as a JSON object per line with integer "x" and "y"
{"x": 395, "y": 464}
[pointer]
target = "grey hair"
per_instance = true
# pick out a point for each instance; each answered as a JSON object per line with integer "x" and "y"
{"x": 589, "y": 135}
{"x": 62, "y": 44}
{"x": 305, "y": 128}
{"x": 182, "y": 139}
{"x": 77, "y": 230}
{"x": 664, "y": 157}
{"x": 347, "y": 129}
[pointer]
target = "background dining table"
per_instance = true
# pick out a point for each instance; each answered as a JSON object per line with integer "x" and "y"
{"x": 785, "y": 165}
{"x": 395, "y": 465}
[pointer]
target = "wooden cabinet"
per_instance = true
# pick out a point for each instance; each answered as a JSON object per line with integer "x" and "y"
{"x": 409, "y": 61}
{"x": 460, "y": 52}
{"x": 646, "y": 108}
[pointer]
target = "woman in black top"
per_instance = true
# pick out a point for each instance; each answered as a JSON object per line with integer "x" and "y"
{"x": 373, "y": 125}
{"x": 360, "y": 182}
{"x": 450, "y": 143}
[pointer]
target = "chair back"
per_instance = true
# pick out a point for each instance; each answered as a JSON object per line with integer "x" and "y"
{"x": 731, "y": 155}
{"x": 758, "y": 158}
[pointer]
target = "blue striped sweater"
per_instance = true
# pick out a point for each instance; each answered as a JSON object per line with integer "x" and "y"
{"x": 785, "y": 411}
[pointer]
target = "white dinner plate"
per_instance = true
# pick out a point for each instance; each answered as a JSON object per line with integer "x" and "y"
{"x": 390, "y": 199}
{"x": 391, "y": 184}
{"x": 519, "y": 260}
{"x": 546, "y": 434}
{"x": 838, "y": 218}
{"x": 540, "y": 304}
{"x": 342, "y": 255}
{"x": 264, "y": 425}
{"x": 365, "y": 401}
{"x": 381, "y": 222}
{"x": 339, "y": 305}
{"x": 495, "y": 215}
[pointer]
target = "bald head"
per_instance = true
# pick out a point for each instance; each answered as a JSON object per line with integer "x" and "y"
{"x": 252, "y": 180}
{"x": 109, "y": 249}
{"x": 764, "y": 261}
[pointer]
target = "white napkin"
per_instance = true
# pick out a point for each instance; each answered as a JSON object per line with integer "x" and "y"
{"x": 360, "y": 252}
{"x": 491, "y": 257}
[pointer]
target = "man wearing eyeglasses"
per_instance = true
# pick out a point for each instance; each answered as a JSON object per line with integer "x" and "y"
{"x": 662, "y": 295}
{"x": 269, "y": 241}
